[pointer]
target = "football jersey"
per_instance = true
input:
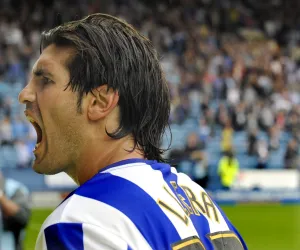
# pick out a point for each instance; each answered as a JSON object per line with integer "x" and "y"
{"x": 138, "y": 204}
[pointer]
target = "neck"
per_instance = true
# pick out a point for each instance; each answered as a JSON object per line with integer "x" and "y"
{"x": 98, "y": 157}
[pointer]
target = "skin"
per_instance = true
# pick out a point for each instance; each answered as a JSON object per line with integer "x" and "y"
{"x": 72, "y": 142}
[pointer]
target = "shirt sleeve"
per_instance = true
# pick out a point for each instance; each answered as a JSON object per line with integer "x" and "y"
{"x": 78, "y": 236}
{"x": 19, "y": 220}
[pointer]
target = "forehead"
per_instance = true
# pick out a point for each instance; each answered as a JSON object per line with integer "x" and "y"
{"x": 54, "y": 57}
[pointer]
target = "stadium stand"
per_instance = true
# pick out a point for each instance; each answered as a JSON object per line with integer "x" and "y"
{"x": 233, "y": 72}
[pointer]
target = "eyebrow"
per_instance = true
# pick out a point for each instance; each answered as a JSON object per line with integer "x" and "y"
{"x": 42, "y": 72}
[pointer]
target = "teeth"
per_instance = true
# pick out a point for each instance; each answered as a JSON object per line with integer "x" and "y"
{"x": 29, "y": 118}
{"x": 37, "y": 145}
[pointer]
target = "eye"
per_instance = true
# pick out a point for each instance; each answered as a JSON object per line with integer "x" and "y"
{"x": 45, "y": 80}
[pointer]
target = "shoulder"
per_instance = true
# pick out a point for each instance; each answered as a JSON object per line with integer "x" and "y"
{"x": 112, "y": 202}
{"x": 199, "y": 203}
{"x": 125, "y": 196}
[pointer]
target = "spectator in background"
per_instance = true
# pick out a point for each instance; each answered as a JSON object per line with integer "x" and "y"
{"x": 252, "y": 142}
{"x": 291, "y": 157}
{"x": 239, "y": 117}
{"x": 280, "y": 119}
{"x": 15, "y": 70}
{"x": 293, "y": 124}
{"x": 219, "y": 87}
{"x": 228, "y": 169}
{"x": 266, "y": 116}
{"x": 194, "y": 153}
{"x": 3, "y": 67}
{"x": 262, "y": 154}
{"x": 227, "y": 134}
{"x": 204, "y": 104}
{"x": 193, "y": 145}
{"x": 264, "y": 83}
{"x": 233, "y": 93}
{"x": 252, "y": 123}
{"x": 14, "y": 204}
{"x": 204, "y": 131}
{"x": 19, "y": 128}
{"x": 182, "y": 110}
{"x": 274, "y": 135}
{"x": 5, "y": 105}
{"x": 222, "y": 115}
{"x": 23, "y": 154}
{"x": 6, "y": 133}
{"x": 209, "y": 116}
{"x": 249, "y": 95}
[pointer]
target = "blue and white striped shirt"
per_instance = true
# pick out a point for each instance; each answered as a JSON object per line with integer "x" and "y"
{"x": 138, "y": 204}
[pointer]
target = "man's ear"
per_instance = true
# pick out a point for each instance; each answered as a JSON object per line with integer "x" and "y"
{"x": 102, "y": 102}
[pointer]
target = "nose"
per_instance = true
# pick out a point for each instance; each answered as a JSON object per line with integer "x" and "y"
{"x": 27, "y": 95}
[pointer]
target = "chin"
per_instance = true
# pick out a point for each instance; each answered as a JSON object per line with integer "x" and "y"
{"x": 43, "y": 168}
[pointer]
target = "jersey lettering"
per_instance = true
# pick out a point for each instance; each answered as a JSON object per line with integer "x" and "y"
{"x": 195, "y": 204}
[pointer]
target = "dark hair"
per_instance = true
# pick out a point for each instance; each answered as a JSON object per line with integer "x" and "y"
{"x": 110, "y": 51}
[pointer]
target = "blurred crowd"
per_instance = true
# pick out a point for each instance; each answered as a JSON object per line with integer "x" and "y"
{"x": 232, "y": 67}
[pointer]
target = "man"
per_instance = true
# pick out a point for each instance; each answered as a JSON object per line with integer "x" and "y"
{"x": 100, "y": 105}
{"x": 228, "y": 169}
{"x": 195, "y": 155}
{"x": 14, "y": 204}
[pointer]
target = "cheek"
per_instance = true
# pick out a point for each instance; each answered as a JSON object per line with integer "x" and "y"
{"x": 56, "y": 114}
{"x": 59, "y": 112}
{"x": 59, "y": 104}
{"x": 66, "y": 124}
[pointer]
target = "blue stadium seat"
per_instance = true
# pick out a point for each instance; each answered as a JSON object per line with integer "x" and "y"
{"x": 8, "y": 157}
{"x": 4, "y": 88}
{"x": 248, "y": 162}
{"x": 32, "y": 180}
{"x": 190, "y": 125}
{"x": 178, "y": 137}
{"x": 276, "y": 159}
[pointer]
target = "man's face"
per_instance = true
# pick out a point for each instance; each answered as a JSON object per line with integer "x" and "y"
{"x": 192, "y": 140}
{"x": 53, "y": 112}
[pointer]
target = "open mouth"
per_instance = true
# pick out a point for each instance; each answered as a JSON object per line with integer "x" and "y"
{"x": 38, "y": 130}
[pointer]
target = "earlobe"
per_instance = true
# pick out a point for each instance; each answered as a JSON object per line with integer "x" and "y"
{"x": 102, "y": 102}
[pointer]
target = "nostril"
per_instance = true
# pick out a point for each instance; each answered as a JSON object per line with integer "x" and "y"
{"x": 26, "y": 96}
{"x": 20, "y": 98}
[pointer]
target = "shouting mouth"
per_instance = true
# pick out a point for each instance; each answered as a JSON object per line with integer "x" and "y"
{"x": 38, "y": 130}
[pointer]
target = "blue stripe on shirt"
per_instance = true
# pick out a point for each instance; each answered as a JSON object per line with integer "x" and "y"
{"x": 113, "y": 165}
{"x": 64, "y": 236}
{"x": 136, "y": 204}
{"x": 200, "y": 222}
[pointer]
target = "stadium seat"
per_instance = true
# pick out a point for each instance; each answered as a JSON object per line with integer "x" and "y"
{"x": 8, "y": 157}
